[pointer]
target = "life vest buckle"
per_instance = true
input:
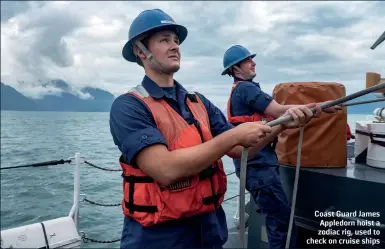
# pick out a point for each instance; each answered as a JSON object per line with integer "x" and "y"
{"x": 179, "y": 185}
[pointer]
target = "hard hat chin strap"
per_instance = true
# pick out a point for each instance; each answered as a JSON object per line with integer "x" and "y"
{"x": 245, "y": 75}
{"x": 148, "y": 54}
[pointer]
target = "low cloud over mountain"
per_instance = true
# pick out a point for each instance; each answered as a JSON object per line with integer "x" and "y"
{"x": 59, "y": 96}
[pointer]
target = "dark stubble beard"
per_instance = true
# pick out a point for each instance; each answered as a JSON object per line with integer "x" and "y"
{"x": 169, "y": 69}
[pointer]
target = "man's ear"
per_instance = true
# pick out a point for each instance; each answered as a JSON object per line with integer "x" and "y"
{"x": 230, "y": 71}
{"x": 234, "y": 71}
{"x": 138, "y": 52}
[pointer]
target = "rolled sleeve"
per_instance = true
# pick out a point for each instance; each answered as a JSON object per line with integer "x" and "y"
{"x": 252, "y": 95}
{"x": 218, "y": 121}
{"x": 132, "y": 127}
{"x": 139, "y": 140}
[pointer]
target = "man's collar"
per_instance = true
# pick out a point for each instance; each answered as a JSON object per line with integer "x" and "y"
{"x": 250, "y": 80}
{"x": 156, "y": 91}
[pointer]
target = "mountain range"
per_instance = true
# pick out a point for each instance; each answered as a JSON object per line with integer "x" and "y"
{"x": 101, "y": 100}
{"x": 98, "y": 101}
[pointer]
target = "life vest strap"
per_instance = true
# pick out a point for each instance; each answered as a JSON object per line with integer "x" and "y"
{"x": 130, "y": 204}
{"x": 121, "y": 160}
{"x": 192, "y": 97}
{"x": 208, "y": 172}
{"x": 138, "y": 208}
{"x": 213, "y": 199}
{"x": 138, "y": 179}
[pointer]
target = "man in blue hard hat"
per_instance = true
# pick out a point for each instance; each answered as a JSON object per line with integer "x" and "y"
{"x": 248, "y": 103}
{"x": 157, "y": 111}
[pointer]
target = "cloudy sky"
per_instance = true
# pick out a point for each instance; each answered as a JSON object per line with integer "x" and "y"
{"x": 81, "y": 43}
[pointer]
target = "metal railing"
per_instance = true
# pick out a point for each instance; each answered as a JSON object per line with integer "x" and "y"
{"x": 77, "y": 160}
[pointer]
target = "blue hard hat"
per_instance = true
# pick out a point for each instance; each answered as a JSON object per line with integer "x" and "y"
{"x": 233, "y": 55}
{"x": 150, "y": 20}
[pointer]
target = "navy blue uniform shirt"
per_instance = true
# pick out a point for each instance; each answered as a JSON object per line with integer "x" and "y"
{"x": 248, "y": 98}
{"x": 133, "y": 128}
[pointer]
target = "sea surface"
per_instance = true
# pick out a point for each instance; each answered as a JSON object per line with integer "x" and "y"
{"x": 30, "y": 195}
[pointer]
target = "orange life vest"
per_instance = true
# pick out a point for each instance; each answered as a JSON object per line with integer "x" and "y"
{"x": 149, "y": 202}
{"x": 241, "y": 119}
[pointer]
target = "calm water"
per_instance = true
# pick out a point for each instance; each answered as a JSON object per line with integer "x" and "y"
{"x": 30, "y": 195}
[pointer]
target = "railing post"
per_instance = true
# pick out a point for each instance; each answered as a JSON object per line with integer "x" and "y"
{"x": 77, "y": 188}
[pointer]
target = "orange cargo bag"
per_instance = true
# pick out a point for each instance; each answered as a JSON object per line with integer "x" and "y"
{"x": 324, "y": 138}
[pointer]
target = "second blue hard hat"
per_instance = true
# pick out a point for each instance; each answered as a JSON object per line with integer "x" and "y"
{"x": 233, "y": 55}
{"x": 150, "y": 20}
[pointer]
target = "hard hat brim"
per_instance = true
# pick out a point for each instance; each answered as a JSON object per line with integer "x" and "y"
{"x": 235, "y": 62}
{"x": 127, "y": 51}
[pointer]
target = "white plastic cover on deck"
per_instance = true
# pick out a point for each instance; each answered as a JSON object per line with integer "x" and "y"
{"x": 56, "y": 233}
